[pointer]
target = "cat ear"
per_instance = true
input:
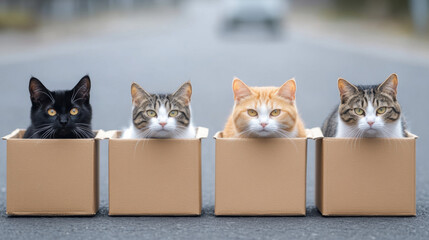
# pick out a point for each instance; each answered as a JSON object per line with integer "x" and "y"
{"x": 240, "y": 89}
{"x": 390, "y": 85}
{"x": 184, "y": 92}
{"x": 138, "y": 94}
{"x": 38, "y": 92}
{"x": 288, "y": 90}
{"x": 346, "y": 89}
{"x": 81, "y": 90}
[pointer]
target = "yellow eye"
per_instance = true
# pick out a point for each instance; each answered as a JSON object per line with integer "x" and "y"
{"x": 359, "y": 111}
{"x": 74, "y": 111}
{"x": 381, "y": 110}
{"x": 151, "y": 113}
{"x": 52, "y": 112}
{"x": 173, "y": 113}
{"x": 275, "y": 112}
{"x": 252, "y": 113}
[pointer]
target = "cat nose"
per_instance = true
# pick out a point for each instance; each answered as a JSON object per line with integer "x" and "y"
{"x": 370, "y": 123}
{"x": 63, "y": 121}
{"x": 162, "y": 124}
{"x": 264, "y": 124}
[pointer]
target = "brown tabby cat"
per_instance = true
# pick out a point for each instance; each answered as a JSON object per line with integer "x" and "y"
{"x": 367, "y": 111}
{"x": 264, "y": 112}
{"x": 161, "y": 115}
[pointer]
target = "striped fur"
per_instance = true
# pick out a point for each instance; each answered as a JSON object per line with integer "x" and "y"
{"x": 345, "y": 120}
{"x": 162, "y": 125}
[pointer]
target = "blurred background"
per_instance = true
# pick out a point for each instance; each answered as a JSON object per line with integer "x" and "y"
{"x": 163, "y": 43}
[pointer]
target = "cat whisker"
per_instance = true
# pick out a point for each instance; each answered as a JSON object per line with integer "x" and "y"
{"x": 39, "y": 130}
{"x": 87, "y": 130}
{"x": 52, "y": 133}
{"x": 285, "y": 134}
{"x": 47, "y": 94}
{"x": 42, "y": 125}
{"x": 75, "y": 94}
{"x": 77, "y": 100}
{"x": 46, "y": 134}
{"x": 244, "y": 133}
{"x": 85, "y": 133}
{"x": 144, "y": 136}
{"x": 76, "y": 133}
{"x": 84, "y": 124}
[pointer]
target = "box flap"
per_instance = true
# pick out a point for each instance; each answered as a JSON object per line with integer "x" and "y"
{"x": 309, "y": 134}
{"x": 218, "y": 135}
{"x": 202, "y": 132}
{"x": 314, "y": 133}
{"x": 100, "y": 134}
{"x": 111, "y": 134}
{"x": 15, "y": 133}
{"x": 411, "y": 135}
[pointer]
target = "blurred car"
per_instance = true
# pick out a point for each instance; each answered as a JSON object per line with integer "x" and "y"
{"x": 254, "y": 11}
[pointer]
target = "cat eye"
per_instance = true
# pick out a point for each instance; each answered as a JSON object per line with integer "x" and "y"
{"x": 52, "y": 112}
{"x": 173, "y": 113}
{"x": 151, "y": 113}
{"x": 275, "y": 112}
{"x": 74, "y": 111}
{"x": 252, "y": 113}
{"x": 359, "y": 111}
{"x": 381, "y": 110}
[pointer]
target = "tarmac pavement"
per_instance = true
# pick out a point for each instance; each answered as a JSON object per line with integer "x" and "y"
{"x": 191, "y": 46}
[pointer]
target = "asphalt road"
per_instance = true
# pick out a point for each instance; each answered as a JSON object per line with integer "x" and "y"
{"x": 188, "y": 45}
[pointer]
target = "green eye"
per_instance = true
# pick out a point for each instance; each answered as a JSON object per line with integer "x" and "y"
{"x": 252, "y": 113}
{"x": 173, "y": 113}
{"x": 151, "y": 113}
{"x": 275, "y": 112}
{"x": 359, "y": 111}
{"x": 381, "y": 110}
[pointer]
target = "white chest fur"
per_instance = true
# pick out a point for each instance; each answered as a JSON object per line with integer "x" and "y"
{"x": 389, "y": 130}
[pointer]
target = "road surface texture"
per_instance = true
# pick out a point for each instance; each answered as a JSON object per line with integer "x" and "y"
{"x": 188, "y": 43}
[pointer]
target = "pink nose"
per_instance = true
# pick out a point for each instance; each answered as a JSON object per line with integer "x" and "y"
{"x": 264, "y": 124}
{"x": 370, "y": 123}
{"x": 162, "y": 124}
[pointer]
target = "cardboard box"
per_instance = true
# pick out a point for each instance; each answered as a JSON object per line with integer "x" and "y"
{"x": 155, "y": 176}
{"x": 366, "y": 177}
{"x": 52, "y": 177}
{"x": 260, "y": 176}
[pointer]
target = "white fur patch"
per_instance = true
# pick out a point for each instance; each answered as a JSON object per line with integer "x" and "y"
{"x": 363, "y": 129}
{"x": 272, "y": 128}
{"x": 156, "y": 130}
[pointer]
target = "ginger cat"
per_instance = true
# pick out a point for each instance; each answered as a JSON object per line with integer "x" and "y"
{"x": 264, "y": 112}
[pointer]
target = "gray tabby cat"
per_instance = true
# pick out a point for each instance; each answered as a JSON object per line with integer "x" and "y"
{"x": 161, "y": 115}
{"x": 366, "y": 111}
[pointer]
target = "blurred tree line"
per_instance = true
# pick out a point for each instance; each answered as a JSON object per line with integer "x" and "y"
{"x": 27, "y": 14}
{"x": 413, "y": 11}
{"x": 375, "y": 8}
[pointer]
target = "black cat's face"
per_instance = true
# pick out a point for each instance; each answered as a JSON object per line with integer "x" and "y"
{"x": 61, "y": 114}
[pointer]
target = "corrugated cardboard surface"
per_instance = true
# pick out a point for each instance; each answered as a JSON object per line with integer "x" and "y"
{"x": 366, "y": 177}
{"x": 52, "y": 177}
{"x": 154, "y": 176}
{"x": 260, "y": 176}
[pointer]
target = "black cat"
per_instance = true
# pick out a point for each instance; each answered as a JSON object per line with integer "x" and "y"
{"x": 60, "y": 114}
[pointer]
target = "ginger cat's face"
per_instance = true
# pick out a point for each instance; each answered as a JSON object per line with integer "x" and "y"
{"x": 265, "y": 111}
